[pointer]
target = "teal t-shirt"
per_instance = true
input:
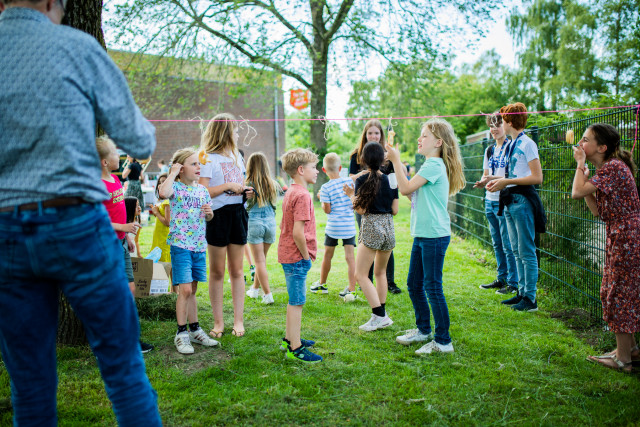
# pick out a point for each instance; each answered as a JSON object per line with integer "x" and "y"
{"x": 429, "y": 216}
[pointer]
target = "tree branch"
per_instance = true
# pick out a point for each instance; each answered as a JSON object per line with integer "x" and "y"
{"x": 345, "y": 7}
{"x": 256, "y": 59}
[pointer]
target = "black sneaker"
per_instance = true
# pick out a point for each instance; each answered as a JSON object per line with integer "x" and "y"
{"x": 526, "y": 305}
{"x": 393, "y": 288}
{"x": 493, "y": 285}
{"x": 507, "y": 290}
{"x": 145, "y": 347}
{"x": 513, "y": 301}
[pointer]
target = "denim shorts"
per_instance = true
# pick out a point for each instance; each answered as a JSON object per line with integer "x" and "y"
{"x": 187, "y": 266}
{"x": 295, "y": 274}
{"x": 261, "y": 230}
{"x": 330, "y": 241}
{"x": 128, "y": 268}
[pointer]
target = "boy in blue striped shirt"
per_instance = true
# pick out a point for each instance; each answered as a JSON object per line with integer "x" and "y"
{"x": 340, "y": 224}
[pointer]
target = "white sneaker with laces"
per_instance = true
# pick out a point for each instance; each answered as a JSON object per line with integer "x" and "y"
{"x": 376, "y": 322}
{"x": 434, "y": 347}
{"x": 267, "y": 298}
{"x": 200, "y": 337}
{"x": 412, "y": 336}
{"x": 253, "y": 292}
{"x": 182, "y": 343}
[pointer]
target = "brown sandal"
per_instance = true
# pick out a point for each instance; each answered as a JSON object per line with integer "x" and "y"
{"x": 237, "y": 333}
{"x": 619, "y": 365}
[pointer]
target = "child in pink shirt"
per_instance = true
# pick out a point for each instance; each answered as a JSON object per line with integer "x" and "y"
{"x": 297, "y": 247}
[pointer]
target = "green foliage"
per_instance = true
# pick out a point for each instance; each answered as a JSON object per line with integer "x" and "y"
{"x": 423, "y": 89}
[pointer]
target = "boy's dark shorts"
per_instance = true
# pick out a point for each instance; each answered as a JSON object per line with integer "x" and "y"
{"x": 330, "y": 241}
{"x": 228, "y": 226}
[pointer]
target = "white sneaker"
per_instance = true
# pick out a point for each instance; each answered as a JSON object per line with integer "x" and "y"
{"x": 376, "y": 322}
{"x": 434, "y": 347}
{"x": 182, "y": 343}
{"x": 318, "y": 287}
{"x": 412, "y": 336}
{"x": 253, "y": 292}
{"x": 267, "y": 298}
{"x": 200, "y": 337}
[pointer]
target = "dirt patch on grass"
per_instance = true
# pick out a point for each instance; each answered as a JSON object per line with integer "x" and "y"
{"x": 202, "y": 358}
{"x": 585, "y": 326}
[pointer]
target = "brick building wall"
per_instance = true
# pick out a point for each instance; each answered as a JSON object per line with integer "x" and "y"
{"x": 186, "y": 99}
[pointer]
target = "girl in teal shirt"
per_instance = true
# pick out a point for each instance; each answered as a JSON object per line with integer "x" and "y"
{"x": 439, "y": 177}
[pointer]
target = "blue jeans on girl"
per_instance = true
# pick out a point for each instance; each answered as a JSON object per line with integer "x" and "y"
{"x": 425, "y": 275}
{"x": 72, "y": 249}
{"x": 507, "y": 269}
{"x": 519, "y": 215}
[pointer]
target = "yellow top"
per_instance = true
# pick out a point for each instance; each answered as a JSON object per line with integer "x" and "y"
{"x": 160, "y": 233}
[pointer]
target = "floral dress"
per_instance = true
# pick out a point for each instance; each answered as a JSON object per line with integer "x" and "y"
{"x": 619, "y": 208}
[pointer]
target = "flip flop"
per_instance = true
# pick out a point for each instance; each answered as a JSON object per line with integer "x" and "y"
{"x": 237, "y": 333}
{"x": 216, "y": 334}
{"x": 619, "y": 365}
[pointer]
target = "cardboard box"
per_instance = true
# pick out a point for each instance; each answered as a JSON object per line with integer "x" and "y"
{"x": 150, "y": 278}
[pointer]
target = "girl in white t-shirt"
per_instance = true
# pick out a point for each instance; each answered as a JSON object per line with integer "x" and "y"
{"x": 493, "y": 165}
{"x": 223, "y": 174}
{"x": 519, "y": 196}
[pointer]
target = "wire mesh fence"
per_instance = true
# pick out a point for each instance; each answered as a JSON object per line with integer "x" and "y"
{"x": 571, "y": 253}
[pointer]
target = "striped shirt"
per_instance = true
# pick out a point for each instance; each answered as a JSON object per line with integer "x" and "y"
{"x": 340, "y": 222}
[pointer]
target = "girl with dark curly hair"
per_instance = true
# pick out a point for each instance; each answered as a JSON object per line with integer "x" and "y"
{"x": 377, "y": 202}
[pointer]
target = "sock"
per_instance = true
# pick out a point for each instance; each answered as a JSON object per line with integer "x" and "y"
{"x": 296, "y": 349}
{"x": 182, "y": 328}
{"x": 383, "y": 305}
{"x": 378, "y": 311}
{"x": 194, "y": 326}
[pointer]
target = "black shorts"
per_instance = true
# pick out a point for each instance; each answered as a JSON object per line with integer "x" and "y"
{"x": 228, "y": 226}
{"x": 330, "y": 241}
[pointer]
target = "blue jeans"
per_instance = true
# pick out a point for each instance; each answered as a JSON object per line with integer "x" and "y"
{"x": 73, "y": 249}
{"x": 425, "y": 274}
{"x": 507, "y": 270}
{"x": 295, "y": 274}
{"x": 522, "y": 235}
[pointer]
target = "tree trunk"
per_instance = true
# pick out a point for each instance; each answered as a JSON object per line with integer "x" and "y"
{"x": 85, "y": 15}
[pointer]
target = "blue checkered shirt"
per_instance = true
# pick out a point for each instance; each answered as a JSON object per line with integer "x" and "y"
{"x": 55, "y": 84}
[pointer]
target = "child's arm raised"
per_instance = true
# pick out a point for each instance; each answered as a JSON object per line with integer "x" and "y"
{"x": 405, "y": 186}
{"x": 166, "y": 188}
{"x": 299, "y": 239}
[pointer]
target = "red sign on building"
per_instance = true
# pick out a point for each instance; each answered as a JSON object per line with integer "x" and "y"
{"x": 299, "y": 98}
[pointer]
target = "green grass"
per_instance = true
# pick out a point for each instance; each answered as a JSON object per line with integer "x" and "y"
{"x": 508, "y": 367}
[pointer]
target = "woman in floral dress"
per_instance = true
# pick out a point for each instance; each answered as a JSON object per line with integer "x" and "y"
{"x": 612, "y": 195}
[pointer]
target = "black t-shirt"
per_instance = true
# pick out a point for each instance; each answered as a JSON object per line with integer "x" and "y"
{"x": 355, "y": 168}
{"x": 136, "y": 170}
{"x": 384, "y": 198}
